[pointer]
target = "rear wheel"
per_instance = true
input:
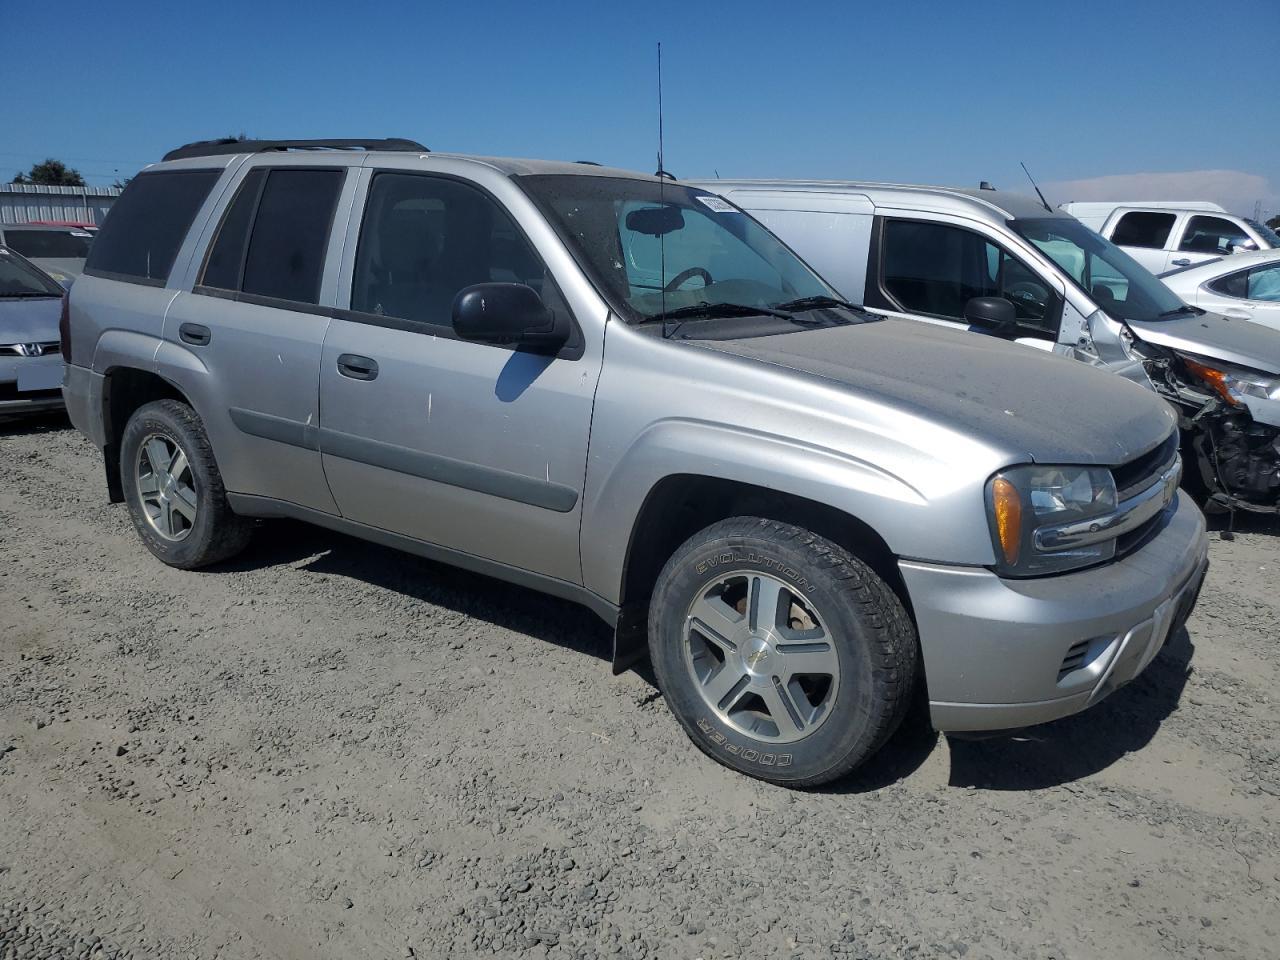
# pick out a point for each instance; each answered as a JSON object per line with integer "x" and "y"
{"x": 781, "y": 654}
{"x": 174, "y": 490}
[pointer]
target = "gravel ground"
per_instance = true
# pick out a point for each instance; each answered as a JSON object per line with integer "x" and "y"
{"x": 328, "y": 749}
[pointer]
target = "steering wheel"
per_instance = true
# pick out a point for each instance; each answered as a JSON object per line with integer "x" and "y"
{"x": 683, "y": 275}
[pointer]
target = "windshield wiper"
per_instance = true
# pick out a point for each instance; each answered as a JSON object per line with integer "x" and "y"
{"x": 1178, "y": 311}
{"x": 815, "y": 303}
{"x": 29, "y": 293}
{"x": 705, "y": 310}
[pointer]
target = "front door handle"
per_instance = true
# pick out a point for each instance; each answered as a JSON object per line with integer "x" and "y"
{"x": 1181, "y": 262}
{"x": 357, "y": 367}
{"x": 1238, "y": 313}
{"x": 196, "y": 334}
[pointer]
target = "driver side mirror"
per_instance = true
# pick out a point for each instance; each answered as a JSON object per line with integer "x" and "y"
{"x": 508, "y": 313}
{"x": 995, "y": 315}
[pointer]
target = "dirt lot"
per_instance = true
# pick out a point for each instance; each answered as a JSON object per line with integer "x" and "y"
{"x": 328, "y": 749}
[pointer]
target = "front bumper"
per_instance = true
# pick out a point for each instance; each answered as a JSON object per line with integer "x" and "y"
{"x": 1000, "y": 654}
{"x": 30, "y": 384}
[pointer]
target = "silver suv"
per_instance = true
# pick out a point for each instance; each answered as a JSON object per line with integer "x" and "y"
{"x": 625, "y": 391}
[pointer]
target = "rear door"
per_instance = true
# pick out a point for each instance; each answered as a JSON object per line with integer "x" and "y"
{"x": 1144, "y": 235}
{"x": 1247, "y": 294}
{"x": 478, "y": 448}
{"x": 252, "y": 328}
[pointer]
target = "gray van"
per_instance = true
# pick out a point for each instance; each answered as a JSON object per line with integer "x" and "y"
{"x": 1003, "y": 264}
{"x": 620, "y": 389}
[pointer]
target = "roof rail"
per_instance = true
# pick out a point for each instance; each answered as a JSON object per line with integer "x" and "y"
{"x": 219, "y": 148}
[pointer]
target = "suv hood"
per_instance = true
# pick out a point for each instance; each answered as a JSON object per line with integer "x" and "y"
{"x": 1240, "y": 342}
{"x": 28, "y": 320}
{"x": 1037, "y": 406}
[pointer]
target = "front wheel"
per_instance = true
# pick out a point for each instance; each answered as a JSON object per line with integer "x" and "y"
{"x": 174, "y": 490}
{"x": 783, "y": 655}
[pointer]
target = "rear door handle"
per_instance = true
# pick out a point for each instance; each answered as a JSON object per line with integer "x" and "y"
{"x": 196, "y": 334}
{"x": 357, "y": 367}
{"x": 1181, "y": 262}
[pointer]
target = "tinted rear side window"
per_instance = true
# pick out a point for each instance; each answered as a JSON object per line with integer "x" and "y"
{"x": 141, "y": 236}
{"x": 290, "y": 234}
{"x": 1139, "y": 229}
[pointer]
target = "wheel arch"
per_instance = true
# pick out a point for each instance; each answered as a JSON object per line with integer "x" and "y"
{"x": 126, "y": 389}
{"x": 679, "y": 505}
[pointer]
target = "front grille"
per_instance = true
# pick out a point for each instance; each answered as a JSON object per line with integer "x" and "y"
{"x": 25, "y": 349}
{"x": 1138, "y": 474}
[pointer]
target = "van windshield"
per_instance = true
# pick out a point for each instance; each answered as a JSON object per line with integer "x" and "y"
{"x": 656, "y": 248}
{"x": 1118, "y": 284}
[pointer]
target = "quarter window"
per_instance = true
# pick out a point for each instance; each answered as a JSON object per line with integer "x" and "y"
{"x": 140, "y": 239}
{"x": 1232, "y": 285}
{"x": 424, "y": 239}
{"x": 1213, "y": 235}
{"x": 935, "y": 269}
{"x": 1143, "y": 229}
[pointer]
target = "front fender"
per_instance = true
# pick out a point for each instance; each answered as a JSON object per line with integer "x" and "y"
{"x": 911, "y": 522}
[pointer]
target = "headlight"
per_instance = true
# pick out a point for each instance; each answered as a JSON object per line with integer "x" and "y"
{"x": 1024, "y": 500}
{"x": 1232, "y": 383}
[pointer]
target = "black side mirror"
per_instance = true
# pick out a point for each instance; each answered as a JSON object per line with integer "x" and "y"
{"x": 510, "y": 313}
{"x": 996, "y": 315}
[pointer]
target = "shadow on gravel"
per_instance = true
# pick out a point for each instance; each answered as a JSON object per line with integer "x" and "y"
{"x": 1076, "y": 747}
{"x": 1266, "y": 523}
{"x": 900, "y": 757}
{"x": 525, "y": 611}
{"x": 19, "y": 425}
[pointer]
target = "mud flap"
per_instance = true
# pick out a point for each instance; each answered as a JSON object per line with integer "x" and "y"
{"x": 630, "y": 639}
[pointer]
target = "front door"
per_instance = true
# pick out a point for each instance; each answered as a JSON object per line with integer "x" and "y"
{"x": 478, "y": 448}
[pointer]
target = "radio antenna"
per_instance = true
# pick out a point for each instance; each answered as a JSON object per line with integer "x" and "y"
{"x": 662, "y": 181}
{"x": 1033, "y": 184}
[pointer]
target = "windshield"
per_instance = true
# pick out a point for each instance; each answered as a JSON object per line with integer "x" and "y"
{"x": 1266, "y": 233}
{"x": 1117, "y": 283}
{"x": 653, "y": 247}
{"x": 20, "y": 279}
{"x": 50, "y": 244}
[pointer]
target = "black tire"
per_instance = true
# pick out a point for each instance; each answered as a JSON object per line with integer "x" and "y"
{"x": 874, "y": 639}
{"x": 217, "y": 532}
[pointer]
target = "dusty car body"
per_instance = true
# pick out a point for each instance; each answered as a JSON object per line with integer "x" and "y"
{"x": 622, "y": 390}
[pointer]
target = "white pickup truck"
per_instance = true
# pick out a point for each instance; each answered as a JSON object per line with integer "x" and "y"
{"x": 1167, "y": 235}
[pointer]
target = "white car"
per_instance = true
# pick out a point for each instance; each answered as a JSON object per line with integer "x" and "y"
{"x": 1245, "y": 286}
{"x": 1167, "y": 235}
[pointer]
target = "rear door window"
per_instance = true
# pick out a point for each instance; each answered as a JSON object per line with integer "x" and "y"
{"x": 140, "y": 238}
{"x": 290, "y": 234}
{"x": 1140, "y": 228}
{"x": 1264, "y": 283}
{"x": 1213, "y": 235}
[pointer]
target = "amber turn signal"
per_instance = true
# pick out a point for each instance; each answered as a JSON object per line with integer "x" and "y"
{"x": 1008, "y": 510}
{"x": 1216, "y": 379}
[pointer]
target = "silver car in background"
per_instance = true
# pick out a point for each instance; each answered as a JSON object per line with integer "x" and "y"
{"x": 622, "y": 390}
{"x": 58, "y": 250}
{"x": 30, "y": 362}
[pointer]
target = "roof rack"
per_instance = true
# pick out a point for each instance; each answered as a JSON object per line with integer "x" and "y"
{"x": 219, "y": 148}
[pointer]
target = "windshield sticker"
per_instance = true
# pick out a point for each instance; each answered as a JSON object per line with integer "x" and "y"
{"x": 716, "y": 204}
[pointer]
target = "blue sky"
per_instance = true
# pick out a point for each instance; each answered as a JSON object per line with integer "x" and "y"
{"x": 944, "y": 93}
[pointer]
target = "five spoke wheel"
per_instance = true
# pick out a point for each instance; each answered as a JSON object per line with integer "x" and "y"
{"x": 166, "y": 487}
{"x": 761, "y": 657}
